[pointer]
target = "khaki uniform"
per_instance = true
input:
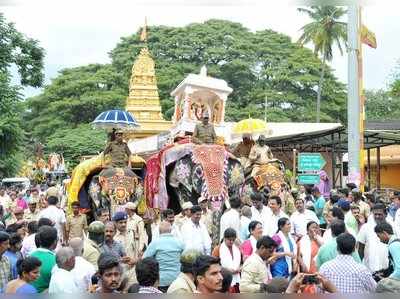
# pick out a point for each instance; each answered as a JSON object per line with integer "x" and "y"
{"x": 204, "y": 134}
{"x": 128, "y": 242}
{"x": 76, "y": 226}
{"x": 135, "y": 226}
{"x": 182, "y": 285}
{"x": 259, "y": 155}
{"x": 119, "y": 152}
{"x": 29, "y": 216}
{"x": 91, "y": 252}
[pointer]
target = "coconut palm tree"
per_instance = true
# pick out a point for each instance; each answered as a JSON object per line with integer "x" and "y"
{"x": 324, "y": 32}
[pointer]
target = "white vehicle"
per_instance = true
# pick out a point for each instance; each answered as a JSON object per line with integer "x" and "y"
{"x": 23, "y": 182}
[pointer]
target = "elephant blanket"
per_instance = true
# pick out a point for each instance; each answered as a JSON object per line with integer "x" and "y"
{"x": 214, "y": 162}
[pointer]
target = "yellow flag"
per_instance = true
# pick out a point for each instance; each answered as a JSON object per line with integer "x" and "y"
{"x": 368, "y": 37}
{"x": 143, "y": 35}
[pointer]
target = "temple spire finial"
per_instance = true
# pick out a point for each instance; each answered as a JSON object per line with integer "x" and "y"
{"x": 143, "y": 35}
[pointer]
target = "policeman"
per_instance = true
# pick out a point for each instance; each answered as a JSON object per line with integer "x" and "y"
{"x": 119, "y": 151}
{"x": 204, "y": 132}
{"x": 91, "y": 245}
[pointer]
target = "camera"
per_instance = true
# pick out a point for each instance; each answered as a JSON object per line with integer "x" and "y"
{"x": 310, "y": 279}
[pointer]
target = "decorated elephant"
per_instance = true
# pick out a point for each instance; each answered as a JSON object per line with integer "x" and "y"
{"x": 207, "y": 171}
{"x": 114, "y": 187}
{"x": 97, "y": 187}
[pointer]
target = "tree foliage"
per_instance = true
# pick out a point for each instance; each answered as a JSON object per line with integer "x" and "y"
{"x": 16, "y": 50}
{"x": 382, "y": 105}
{"x": 77, "y": 142}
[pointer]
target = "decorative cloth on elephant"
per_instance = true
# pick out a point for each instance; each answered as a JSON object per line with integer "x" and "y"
{"x": 214, "y": 161}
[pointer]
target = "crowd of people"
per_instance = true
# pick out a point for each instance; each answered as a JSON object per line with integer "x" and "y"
{"x": 314, "y": 241}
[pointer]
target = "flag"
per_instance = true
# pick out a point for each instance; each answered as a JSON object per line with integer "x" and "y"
{"x": 368, "y": 37}
{"x": 143, "y": 35}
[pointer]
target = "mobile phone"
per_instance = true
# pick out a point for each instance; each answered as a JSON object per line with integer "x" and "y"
{"x": 310, "y": 279}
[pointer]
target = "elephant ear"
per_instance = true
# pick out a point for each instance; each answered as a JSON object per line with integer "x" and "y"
{"x": 182, "y": 173}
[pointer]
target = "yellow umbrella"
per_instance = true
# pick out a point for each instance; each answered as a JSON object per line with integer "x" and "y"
{"x": 250, "y": 126}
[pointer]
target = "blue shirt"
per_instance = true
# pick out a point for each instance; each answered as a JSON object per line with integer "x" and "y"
{"x": 167, "y": 251}
{"x": 319, "y": 205}
{"x": 13, "y": 258}
{"x": 394, "y": 250}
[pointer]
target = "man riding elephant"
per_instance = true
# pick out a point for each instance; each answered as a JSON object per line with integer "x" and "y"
{"x": 260, "y": 155}
{"x": 204, "y": 132}
{"x": 243, "y": 149}
{"x": 119, "y": 151}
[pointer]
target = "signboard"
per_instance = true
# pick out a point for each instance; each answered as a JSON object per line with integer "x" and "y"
{"x": 310, "y": 162}
{"x": 308, "y": 179}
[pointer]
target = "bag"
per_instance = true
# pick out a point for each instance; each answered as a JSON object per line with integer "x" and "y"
{"x": 379, "y": 275}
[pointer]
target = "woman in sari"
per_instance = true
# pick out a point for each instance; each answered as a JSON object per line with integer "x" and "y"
{"x": 250, "y": 245}
{"x": 28, "y": 271}
{"x": 286, "y": 252}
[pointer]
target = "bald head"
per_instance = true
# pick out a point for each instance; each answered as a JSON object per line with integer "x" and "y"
{"x": 246, "y": 211}
{"x": 165, "y": 227}
{"x": 77, "y": 246}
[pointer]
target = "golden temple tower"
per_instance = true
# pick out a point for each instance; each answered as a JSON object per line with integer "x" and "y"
{"x": 143, "y": 100}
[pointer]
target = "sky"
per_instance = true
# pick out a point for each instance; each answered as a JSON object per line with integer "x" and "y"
{"x": 80, "y": 32}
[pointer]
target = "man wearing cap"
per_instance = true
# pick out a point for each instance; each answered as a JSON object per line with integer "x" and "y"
{"x": 185, "y": 215}
{"x": 76, "y": 226}
{"x": 119, "y": 151}
{"x": 128, "y": 242}
{"x": 135, "y": 226}
{"x": 32, "y": 214}
{"x": 91, "y": 245}
{"x": 349, "y": 220}
{"x": 204, "y": 132}
{"x": 260, "y": 154}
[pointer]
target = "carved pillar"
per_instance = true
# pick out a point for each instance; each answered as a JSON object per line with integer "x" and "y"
{"x": 186, "y": 107}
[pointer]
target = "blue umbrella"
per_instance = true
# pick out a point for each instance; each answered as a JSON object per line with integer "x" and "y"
{"x": 115, "y": 119}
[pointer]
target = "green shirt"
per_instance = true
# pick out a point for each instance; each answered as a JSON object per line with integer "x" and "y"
{"x": 328, "y": 252}
{"x": 48, "y": 259}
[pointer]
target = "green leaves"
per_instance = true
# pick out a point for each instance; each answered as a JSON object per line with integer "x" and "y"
{"x": 27, "y": 56}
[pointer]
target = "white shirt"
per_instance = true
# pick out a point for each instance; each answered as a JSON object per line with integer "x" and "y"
{"x": 62, "y": 282}
{"x": 271, "y": 228}
{"x": 375, "y": 252}
{"x": 56, "y": 215}
{"x": 230, "y": 219}
{"x": 82, "y": 273}
{"x": 196, "y": 237}
{"x": 262, "y": 216}
{"x": 300, "y": 220}
{"x": 28, "y": 245}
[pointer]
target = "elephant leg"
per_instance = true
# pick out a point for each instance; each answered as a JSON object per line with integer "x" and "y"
{"x": 215, "y": 230}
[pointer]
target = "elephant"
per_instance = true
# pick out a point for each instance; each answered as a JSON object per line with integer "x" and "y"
{"x": 114, "y": 187}
{"x": 208, "y": 171}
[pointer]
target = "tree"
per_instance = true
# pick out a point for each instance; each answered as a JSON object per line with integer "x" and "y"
{"x": 77, "y": 142}
{"x": 381, "y": 105}
{"x": 27, "y": 56}
{"x": 81, "y": 94}
{"x": 324, "y": 32}
{"x": 255, "y": 65}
